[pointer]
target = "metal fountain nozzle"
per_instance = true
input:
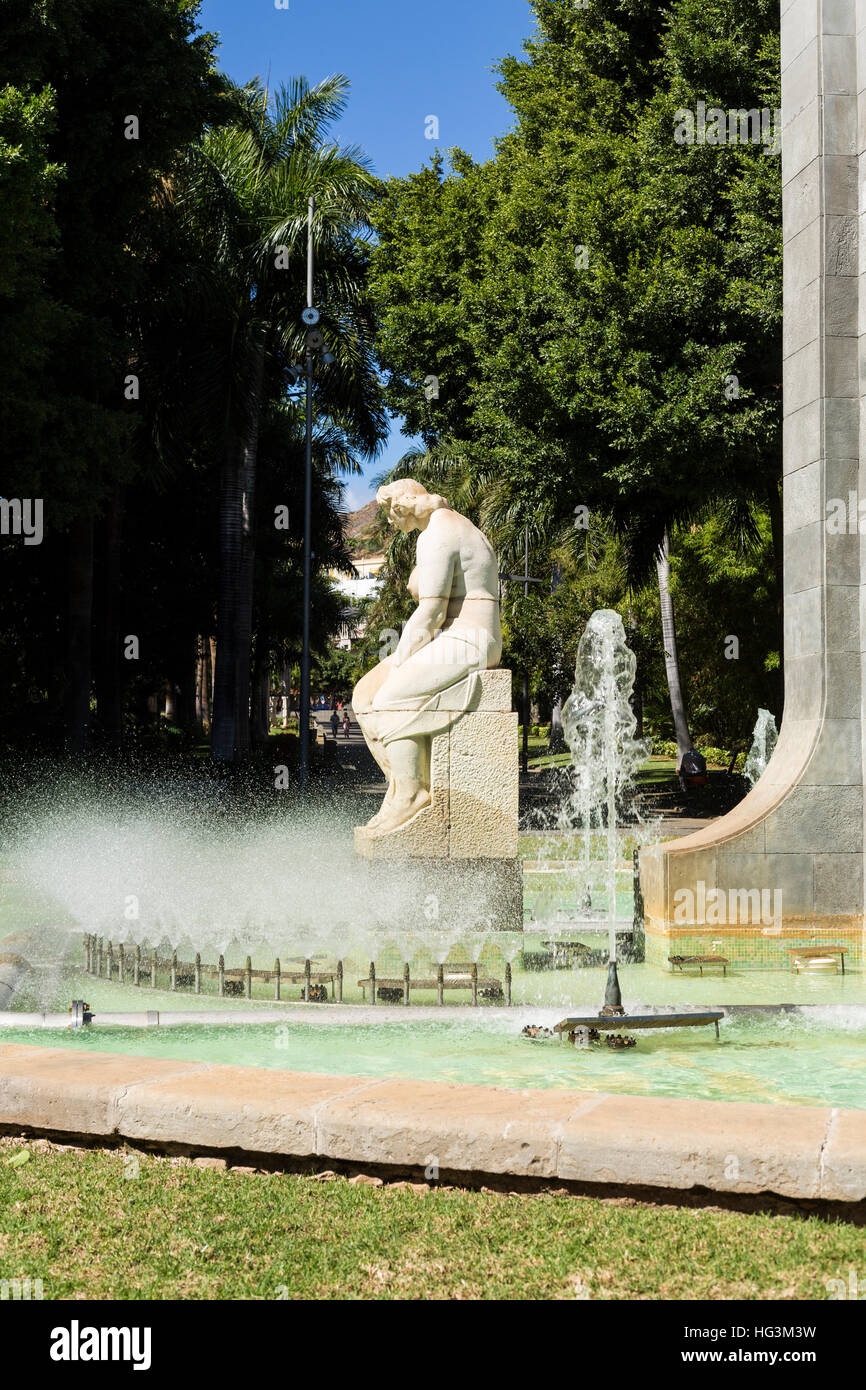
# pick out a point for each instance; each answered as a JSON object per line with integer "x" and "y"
{"x": 80, "y": 1014}
{"x": 612, "y": 993}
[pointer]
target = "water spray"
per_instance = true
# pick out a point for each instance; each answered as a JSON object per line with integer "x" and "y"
{"x": 599, "y": 725}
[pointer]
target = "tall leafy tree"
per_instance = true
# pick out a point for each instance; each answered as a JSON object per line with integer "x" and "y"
{"x": 130, "y": 86}
{"x": 241, "y": 200}
{"x": 601, "y": 304}
{"x": 30, "y": 317}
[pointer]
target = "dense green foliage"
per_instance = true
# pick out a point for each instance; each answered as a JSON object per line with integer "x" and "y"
{"x": 601, "y": 306}
{"x": 152, "y": 273}
{"x": 99, "y": 65}
{"x": 31, "y": 318}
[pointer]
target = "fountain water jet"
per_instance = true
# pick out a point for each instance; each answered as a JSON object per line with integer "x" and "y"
{"x": 599, "y": 726}
{"x": 764, "y": 740}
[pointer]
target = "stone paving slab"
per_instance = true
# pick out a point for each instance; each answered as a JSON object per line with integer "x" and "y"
{"x": 482, "y": 1129}
{"x": 570, "y": 1135}
{"x": 844, "y": 1157}
{"x": 224, "y": 1107}
{"x": 681, "y": 1143}
{"x": 58, "y": 1089}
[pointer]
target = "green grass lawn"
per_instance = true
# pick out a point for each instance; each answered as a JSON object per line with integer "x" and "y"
{"x": 656, "y": 772}
{"x": 539, "y": 756}
{"x": 95, "y": 1224}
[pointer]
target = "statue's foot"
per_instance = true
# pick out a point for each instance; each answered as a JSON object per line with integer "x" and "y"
{"x": 389, "y": 797}
{"x": 401, "y": 809}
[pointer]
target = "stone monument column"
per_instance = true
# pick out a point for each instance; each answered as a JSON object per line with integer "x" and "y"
{"x": 798, "y": 837}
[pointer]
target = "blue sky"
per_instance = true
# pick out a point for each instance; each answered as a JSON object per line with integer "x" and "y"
{"x": 407, "y": 60}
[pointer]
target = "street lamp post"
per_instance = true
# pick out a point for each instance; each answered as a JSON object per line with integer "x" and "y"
{"x": 316, "y": 347}
{"x": 304, "y": 712}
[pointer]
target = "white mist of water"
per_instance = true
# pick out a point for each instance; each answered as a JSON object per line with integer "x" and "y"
{"x": 177, "y": 869}
{"x": 197, "y": 866}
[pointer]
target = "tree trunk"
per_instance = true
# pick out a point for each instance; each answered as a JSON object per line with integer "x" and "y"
{"x": 556, "y": 743}
{"x": 79, "y": 638}
{"x": 261, "y": 702}
{"x": 188, "y": 690}
{"x": 225, "y": 744}
{"x": 202, "y": 713}
{"x": 109, "y": 656}
{"x": 669, "y": 639}
{"x": 199, "y": 684}
{"x": 230, "y": 739}
{"x": 637, "y": 706}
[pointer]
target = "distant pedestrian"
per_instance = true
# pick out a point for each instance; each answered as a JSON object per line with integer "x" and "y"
{"x": 334, "y": 722}
{"x": 347, "y": 724}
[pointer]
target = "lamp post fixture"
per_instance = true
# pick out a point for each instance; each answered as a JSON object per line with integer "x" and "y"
{"x": 315, "y": 347}
{"x": 525, "y": 579}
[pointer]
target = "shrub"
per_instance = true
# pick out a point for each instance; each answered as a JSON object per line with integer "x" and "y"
{"x": 665, "y": 748}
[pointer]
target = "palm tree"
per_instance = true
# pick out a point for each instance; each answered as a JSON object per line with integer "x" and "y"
{"x": 669, "y": 643}
{"x": 646, "y": 535}
{"x": 278, "y": 621}
{"x": 241, "y": 198}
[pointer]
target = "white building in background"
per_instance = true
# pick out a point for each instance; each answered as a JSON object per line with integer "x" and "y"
{"x": 364, "y": 582}
{"x": 367, "y": 583}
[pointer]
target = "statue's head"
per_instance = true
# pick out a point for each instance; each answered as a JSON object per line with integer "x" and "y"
{"x": 408, "y": 505}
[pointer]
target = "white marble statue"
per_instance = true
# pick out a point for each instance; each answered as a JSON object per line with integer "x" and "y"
{"x": 429, "y": 681}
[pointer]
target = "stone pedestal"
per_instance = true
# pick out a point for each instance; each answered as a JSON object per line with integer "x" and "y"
{"x": 462, "y": 849}
{"x": 786, "y": 866}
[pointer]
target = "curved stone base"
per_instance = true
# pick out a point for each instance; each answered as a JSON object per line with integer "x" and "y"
{"x": 784, "y": 868}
